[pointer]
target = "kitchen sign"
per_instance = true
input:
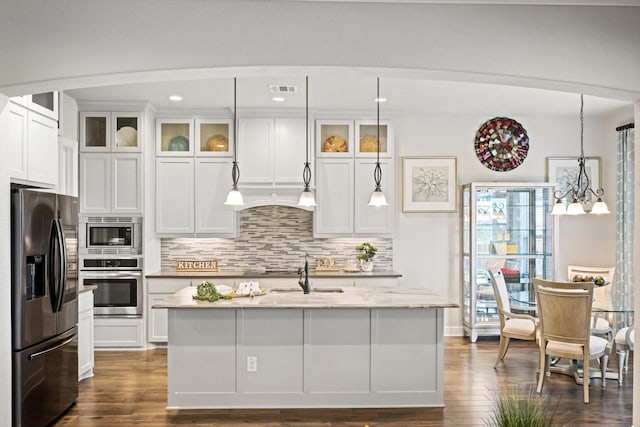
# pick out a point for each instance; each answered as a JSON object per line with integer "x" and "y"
{"x": 211, "y": 265}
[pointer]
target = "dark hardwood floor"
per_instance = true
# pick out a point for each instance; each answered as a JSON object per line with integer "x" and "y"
{"x": 130, "y": 388}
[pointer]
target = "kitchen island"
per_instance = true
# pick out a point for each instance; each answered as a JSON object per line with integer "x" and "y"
{"x": 361, "y": 347}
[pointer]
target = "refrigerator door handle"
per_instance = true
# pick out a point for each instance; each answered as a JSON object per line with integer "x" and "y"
{"x": 51, "y": 270}
{"x": 50, "y": 349}
{"x": 62, "y": 279}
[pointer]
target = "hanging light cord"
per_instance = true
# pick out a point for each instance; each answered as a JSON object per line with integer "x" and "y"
{"x": 235, "y": 170}
{"x": 306, "y": 173}
{"x": 377, "y": 172}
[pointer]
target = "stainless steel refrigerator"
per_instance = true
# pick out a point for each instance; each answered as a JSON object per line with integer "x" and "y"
{"x": 44, "y": 279}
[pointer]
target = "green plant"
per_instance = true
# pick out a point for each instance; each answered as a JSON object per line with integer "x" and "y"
{"x": 207, "y": 291}
{"x": 368, "y": 251}
{"x": 513, "y": 408}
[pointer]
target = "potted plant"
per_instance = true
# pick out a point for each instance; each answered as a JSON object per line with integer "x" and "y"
{"x": 368, "y": 251}
{"x": 515, "y": 408}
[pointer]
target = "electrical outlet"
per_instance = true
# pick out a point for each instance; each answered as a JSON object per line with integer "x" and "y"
{"x": 252, "y": 364}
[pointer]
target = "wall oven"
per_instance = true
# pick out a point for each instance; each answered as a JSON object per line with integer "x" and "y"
{"x": 110, "y": 235}
{"x": 118, "y": 285}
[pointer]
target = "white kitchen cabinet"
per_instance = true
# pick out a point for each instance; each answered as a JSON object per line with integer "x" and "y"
{"x": 212, "y": 216}
{"x": 111, "y": 183}
{"x": 67, "y": 166}
{"x": 85, "y": 335}
{"x": 334, "y": 194}
{"x": 174, "y": 195}
{"x": 190, "y": 195}
{"x": 334, "y": 138}
{"x": 214, "y": 138}
{"x": 175, "y": 137}
{"x": 116, "y": 332}
{"x": 366, "y": 132}
{"x": 157, "y": 321}
{"x": 373, "y": 219}
{"x": 111, "y": 131}
{"x": 271, "y": 150}
{"x": 33, "y": 147}
{"x": 45, "y": 103}
{"x": 95, "y": 183}
{"x": 126, "y": 181}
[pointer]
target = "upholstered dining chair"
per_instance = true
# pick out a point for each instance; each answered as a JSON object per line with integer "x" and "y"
{"x": 601, "y": 295}
{"x": 512, "y": 325}
{"x": 624, "y": 344}
{"x": 565, "y": 328}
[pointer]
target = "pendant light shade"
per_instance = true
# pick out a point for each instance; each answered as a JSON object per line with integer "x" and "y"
{"x": 377, "y": 197}
{"x": 234, "y": 198}
{"x": 307, "y": 198}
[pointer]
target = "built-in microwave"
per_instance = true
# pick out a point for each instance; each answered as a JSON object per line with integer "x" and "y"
{"x": 110, "y": 235}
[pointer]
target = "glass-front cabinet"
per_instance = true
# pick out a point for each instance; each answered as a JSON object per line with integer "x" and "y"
{"x": 505, "y": 226}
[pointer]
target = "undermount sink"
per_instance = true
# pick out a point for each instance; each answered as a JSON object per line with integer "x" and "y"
{"x": 314, "y": 290}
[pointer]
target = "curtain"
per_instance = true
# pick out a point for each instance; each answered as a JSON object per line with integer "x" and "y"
{"x": 625, "y": 207}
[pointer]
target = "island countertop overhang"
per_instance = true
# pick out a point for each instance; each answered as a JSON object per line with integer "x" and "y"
{"x": 350, "y": 297}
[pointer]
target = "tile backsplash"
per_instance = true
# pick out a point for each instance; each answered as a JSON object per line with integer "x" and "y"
{"x": 275, "y": 238}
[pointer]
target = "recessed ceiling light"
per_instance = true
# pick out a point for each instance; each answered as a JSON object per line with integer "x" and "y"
{"x": 278, "y": 99}
{"x": 175, "y": 98}
{"x": 380, "y": 100}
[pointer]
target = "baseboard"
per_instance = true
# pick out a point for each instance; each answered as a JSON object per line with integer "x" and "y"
{"x": 453, "y": 331}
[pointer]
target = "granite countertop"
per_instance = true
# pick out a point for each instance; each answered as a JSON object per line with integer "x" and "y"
{"x": 265, "y": 275}
{"x": 351, "y": 297}
{"x": 83, "y": 288}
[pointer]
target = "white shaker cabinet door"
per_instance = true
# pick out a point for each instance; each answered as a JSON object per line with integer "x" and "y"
{"x": 17, "y": 142}
{"x": 212, "y": 182}
{"x": 255, "y": 150}
{"x": 373, "y": 219}
{"x": 42, "y": 149}
{"x": 127, "y": 183}
{"x": 174, "y": 195}
{"x": 290, "y": 151}
{"x": 95, "y": 183}
{"x": 334, "y": 194}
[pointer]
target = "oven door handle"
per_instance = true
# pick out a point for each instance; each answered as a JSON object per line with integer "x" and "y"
{"x": 127, "y": 275}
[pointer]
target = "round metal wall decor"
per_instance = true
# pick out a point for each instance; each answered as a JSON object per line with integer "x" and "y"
{"x": 501, "y": 144}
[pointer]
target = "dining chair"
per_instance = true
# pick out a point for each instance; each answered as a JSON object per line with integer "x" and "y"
{"x": 512, "y": 325}
{"x": 624, "y": 344}
{"x": 564, "y": 310}
{"x": 601, "y": 296}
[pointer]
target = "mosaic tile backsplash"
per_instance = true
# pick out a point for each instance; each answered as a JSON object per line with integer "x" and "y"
{"x": 274, "y": 238}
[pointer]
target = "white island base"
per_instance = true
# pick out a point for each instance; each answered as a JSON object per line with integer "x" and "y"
{"x": 221, "y": 356}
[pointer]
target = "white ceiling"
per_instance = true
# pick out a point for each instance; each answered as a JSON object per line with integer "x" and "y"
{"x": 342, "y": 90}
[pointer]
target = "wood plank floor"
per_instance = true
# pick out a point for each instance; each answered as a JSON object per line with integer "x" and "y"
{"x": 130, "y": 388}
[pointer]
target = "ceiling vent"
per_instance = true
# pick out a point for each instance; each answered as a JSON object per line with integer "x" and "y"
{"x": 283, "y": 89}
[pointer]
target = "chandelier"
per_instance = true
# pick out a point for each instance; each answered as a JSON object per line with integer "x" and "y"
{"x": 580, "y": 191}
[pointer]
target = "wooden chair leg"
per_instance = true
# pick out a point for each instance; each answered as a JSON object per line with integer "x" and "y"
{"x": 502, "y": 350}
{"x": 585, "y": 377}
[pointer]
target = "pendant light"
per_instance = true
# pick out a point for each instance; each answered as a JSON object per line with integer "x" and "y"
{"x": 377, "y": 197}
{"x": 234, "y": 198}
{"x": 307, "y": 198}
{"x": 580, "y": 190}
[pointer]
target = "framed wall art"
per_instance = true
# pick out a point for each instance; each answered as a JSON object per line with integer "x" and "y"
{"x": 564, "y": 172}
{"x": 429, "y": 184}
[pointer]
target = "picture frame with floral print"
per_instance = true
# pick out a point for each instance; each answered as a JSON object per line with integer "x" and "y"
{"x": 429, "y": 184}
{"x": 564, "y": 171}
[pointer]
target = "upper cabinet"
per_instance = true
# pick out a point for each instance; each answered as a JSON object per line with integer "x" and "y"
{"x": 347, "y": 151}
{"x": 110, "y": 131}
{"x": 349, "y": 138}
{"x": 271, "y": 151}
{"x": 366, "y": 138}
{"x": 175, "y": 137}
{"x": 33, "y": 148}
{"x": 214, "y": 138}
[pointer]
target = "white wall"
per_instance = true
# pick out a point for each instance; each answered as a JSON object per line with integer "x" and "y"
{"x": 5, "y": 271}
{"x": 427, "y": 245}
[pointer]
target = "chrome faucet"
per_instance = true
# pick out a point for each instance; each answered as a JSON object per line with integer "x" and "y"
{"x": 305, "y": 284}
